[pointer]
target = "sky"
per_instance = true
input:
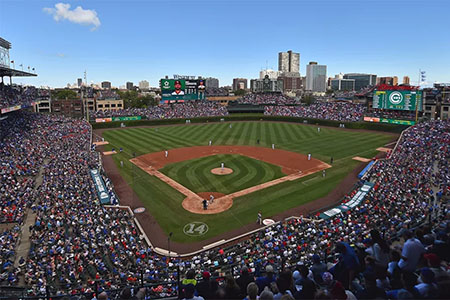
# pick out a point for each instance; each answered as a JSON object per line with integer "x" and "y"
{"x": 122, "y": 41}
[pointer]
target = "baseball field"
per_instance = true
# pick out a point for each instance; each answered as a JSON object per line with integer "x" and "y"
{"x": 263, "y": 179}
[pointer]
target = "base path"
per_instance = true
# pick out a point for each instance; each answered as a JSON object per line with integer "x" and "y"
{"x": 294, "y": 164}
{"x": 158, "y": 236}
{"x": 290, "y": 162}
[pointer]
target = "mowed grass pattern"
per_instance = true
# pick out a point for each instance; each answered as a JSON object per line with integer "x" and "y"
{"x": 196, "y": 174}
{"x": 165, "y": 203}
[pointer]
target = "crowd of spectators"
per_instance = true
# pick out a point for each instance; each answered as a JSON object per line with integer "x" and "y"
{"x": 75, "y": 242}
{"x": 337, "y": 111}
{"x": 373, "y": 251}
{"x": 77, "y": 245}
{"x": 17, "y": 95}
{"x": 105, "y": 94}
{"x": 268, "y": 99}
{"x": 215, "y": 92}
{"x": 169, "y": 111}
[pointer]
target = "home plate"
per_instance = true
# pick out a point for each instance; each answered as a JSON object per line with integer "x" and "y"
{"x": 268, "y": 222}
{"x": 383, "y": 149}
{"x": 361, "y": 159}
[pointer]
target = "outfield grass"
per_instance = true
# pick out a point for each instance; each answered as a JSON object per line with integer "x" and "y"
{"x": 195, "y": 174}
{"x": 164, "y": 202}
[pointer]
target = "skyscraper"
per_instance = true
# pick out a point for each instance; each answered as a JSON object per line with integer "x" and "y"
{"x": 129, "y": 85}
{"x": 289, "y": 62}
{"x": 239, "y": 84}
{"x": 362, "y": 80}
{"x": 406, "y": 80}
{"x": 316, "y": 77}
{"x": 211, "y": 82}
{"x": 144, "y": 85}
{"x": 79, "y": 82}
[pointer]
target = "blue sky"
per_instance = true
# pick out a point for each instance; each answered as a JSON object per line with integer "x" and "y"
{"x": 136, "y": 40}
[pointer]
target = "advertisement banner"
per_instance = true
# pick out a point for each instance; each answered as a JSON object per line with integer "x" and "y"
{"x": 115, "y": 119}
{"x": 390, "y": 121}
{"x": 355, "y": 201}
{"x": 401, "y": 122}
{"x": 103, "y": 120}
{"x": 398, "y": 100}
{"x": 11, "y": 108}
{"x": 100, "y": 187}
{"x": 372, "y": 119}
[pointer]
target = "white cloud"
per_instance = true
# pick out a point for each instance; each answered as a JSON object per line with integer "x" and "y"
{"x": 78, "y": 15}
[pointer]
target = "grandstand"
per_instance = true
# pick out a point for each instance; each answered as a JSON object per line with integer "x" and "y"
{"x": 13, "y": 97}
{"x": 65, "y": 233}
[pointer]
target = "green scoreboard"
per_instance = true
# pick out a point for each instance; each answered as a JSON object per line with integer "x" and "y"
{"x": 398, "y": 100}
{"x": 181, "y": 90}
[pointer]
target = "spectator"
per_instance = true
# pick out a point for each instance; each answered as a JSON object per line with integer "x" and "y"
{"x": 411, "y": 253}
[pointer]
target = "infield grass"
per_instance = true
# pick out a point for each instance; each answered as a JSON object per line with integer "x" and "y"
{"x": 195, "y": 174}
{"x": 164, "y": 203}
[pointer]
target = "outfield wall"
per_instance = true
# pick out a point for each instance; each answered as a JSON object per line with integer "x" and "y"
{"x": 256, "y": 117}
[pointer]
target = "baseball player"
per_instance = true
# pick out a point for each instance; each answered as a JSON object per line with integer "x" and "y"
{"x": 121, "y": 163}
{"x": 166, "y": 153}
{"x": 222, "y": 165}
{"x": 259, "y": 219}
{"x": 211, "y": 199}
{"x": 210, "y": 142}
{"x": 273, "y": 146}
{"x": 205, "y": 204}
{"x": 323, "y": 173}
{"x": 318, "y": 129}
{"x": 309, "y": 156}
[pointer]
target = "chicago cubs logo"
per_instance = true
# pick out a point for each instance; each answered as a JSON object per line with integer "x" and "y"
{"x": 395, "y": 97}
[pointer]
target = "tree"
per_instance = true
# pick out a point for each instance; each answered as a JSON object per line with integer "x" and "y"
{"x": 64, "y": 94}
{"x": 308, "y": 99}
{"x": 131, "y": 99}
{"x": 240, "y": 92}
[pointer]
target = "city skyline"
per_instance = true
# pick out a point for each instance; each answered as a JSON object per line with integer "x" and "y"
{"x": 62, "y": 40}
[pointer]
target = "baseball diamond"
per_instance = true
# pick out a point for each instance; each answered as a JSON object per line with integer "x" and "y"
{"x": 164, "y": 209}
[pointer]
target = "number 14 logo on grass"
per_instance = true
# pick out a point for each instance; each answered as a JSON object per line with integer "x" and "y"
{"x": 195, "y": 229}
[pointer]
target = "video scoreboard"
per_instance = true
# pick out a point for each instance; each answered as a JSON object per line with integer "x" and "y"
{"x": 181, "y": 90}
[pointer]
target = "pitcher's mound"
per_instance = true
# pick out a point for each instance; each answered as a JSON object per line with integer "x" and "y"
{"x": 220, "y": 171}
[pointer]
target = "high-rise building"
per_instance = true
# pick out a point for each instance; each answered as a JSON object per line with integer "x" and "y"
{"x": 271, "y": 73}
{"x": 316, "y": 77}
{"x": 395, "y": 80}
{"x": 106, "y": 85}
{"x": 362, "y": 80}
{"x": 390, "y": 80}
{"x": 340, "y": 84}
{"x": 239, "y": 84}
{"x": 266, "y": 84}
{"x": 406, "y": 80}
{"x": 79, "y": 82}
{"x": 144, "y": 85}
{"x": 289, "y": 62}
{"x": 129, "y": 85}
{"x": 291, "y": 84}
{"x": 211, "y": 82}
